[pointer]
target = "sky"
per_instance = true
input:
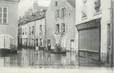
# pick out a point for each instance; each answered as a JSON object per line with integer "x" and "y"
{"x": 24, "y": 5}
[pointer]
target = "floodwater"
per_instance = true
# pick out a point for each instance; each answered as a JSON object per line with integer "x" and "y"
{"x": 40, "y": 59}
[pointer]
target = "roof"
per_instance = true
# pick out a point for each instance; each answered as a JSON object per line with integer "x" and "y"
{"x": 35, "y": 16}
{"x": 72, "y": 2}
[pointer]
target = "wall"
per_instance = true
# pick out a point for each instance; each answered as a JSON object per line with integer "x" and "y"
{"x": 50, "y": 23}
{"x": 105, "y": 19}
{"x": 11, "y": 28}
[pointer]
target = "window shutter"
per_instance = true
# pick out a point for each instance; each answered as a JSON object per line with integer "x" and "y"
{"x": 0, "y": 15}
{"x": 5, "y": 15}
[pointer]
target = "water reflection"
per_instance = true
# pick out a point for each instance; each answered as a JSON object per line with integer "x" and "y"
{"x": 38, "y": 58}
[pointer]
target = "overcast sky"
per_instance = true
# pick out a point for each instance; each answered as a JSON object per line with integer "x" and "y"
{"x": 24, "y": 5}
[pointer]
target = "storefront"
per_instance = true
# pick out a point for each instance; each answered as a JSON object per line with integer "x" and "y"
{"x": 89, "y": 41}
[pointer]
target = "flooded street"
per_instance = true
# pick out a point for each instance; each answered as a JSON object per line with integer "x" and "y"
{"x": 38, "y": 58}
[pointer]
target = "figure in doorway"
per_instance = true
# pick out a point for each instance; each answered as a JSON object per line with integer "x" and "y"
{"x": 49, "y": 45}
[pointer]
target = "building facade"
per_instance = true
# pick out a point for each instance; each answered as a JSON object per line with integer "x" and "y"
{"x": 8, "y": 23}
{"x": 93, "y": 24}
{"x": 60, "y": 20}
{"x": 32, "y": 30}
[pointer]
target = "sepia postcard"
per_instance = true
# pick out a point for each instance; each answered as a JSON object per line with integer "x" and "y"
{"x": 75, "y": 35}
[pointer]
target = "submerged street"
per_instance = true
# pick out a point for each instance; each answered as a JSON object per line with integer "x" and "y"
{"x": 45, "y": 59}
{"x": 36, "y": 58}
{"x": 56, "y": 33}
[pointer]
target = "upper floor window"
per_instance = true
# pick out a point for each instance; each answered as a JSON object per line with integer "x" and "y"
{"x": 57, "y": 13}
{"x": 33, "y": 29}
{"x": 0, "y": 15}
{"x": 3, "y": 15}
{"x": 97, "y": 5}
{"x": 63, "y": 27}
{"x": 63, "y": 12}
{"x": 29, "y": 30}
{"x": 84, "y": 10}
{"x": 41, "y": 28}
{"x": 56, "y": 3}
{"x": 57, "y": 28}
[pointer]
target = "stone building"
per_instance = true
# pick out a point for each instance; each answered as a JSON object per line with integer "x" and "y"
{"x": 60, "y": 20}
{"x": 32, "y": 29}
{"x": 8, "y": 23}
{"x": 93, "y": 24}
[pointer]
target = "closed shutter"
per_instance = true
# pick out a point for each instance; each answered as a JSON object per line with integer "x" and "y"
{"x": 89, "y": 43}
{"x": 89, "y": 40}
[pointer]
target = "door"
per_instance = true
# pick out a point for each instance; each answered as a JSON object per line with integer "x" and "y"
{"x": 72, "y": 52}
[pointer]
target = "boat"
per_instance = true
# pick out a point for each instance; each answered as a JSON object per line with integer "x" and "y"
{"x": 7, "y": 52}
{"x": 58, "y": 52}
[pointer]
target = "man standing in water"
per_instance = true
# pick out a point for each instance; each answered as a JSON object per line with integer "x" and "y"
{"x": 49, "y": 45}
{"x": 49, "y": 49}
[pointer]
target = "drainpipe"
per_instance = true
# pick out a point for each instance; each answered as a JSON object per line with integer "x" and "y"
{"x": 112, "y": 57}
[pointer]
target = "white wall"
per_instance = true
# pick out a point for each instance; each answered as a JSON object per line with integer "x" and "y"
{"x": 105, "y": 19}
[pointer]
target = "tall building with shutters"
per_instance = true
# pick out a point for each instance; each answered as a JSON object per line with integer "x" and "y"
{"x": 8, "y": 23}
{"x": 93, "y": 22}
{"x": 60, "y": 20}
{"x": 60, "y": 26}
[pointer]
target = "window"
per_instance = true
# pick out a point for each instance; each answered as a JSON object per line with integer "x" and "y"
{"x": 63, "y": 27}
{"x": 57, "y": 28}
{"x": 29, "y": 30}
{"x": 40, "y": 42}
{"x": 0, "y": 15}
{"x": 84, "y": 10}
{"x": 57, "y": 13}
{"x": 97, "y": 5}
{"x": 33, "y": 29}
{"x": 3, "y": 15}
{"x": 41, "y": 28}
{"x": 63, "y": 12}
{"x": 72, "y": 45}
{"x": 56, "y": 3}
{"x": 36, "y": 42}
